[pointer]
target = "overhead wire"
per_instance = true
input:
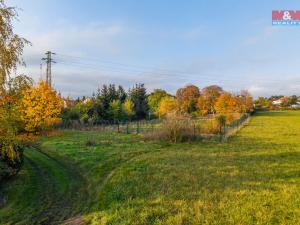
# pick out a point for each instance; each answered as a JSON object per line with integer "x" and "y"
{"x": 96, "y": 64}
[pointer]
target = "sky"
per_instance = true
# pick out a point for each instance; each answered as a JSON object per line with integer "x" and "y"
{"x": 165, "y": 44}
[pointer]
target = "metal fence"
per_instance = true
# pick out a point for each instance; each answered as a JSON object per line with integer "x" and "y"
{"x": 236, "y": 125}
{"x": 200, "y": 127}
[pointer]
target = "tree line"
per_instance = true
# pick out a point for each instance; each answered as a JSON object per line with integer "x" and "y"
{"x": 111, "y": 103}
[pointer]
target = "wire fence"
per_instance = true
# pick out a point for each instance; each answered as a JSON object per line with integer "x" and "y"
{"x": 197, "y": 128}
{"x": 235, "y": 126}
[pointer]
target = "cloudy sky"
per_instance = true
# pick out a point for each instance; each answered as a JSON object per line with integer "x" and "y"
{"x": 162, "y": 43}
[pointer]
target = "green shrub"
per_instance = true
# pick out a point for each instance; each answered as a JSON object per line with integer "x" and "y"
{"x": 68, "y": 116}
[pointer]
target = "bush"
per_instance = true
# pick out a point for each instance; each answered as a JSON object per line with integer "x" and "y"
{"x": 176, "y": 128}
{"x": 11, "y": 153}
{"x": 70, "y": 115}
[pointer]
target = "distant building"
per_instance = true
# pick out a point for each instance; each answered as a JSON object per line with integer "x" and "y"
{"x": 87, "y": 100}
{"x": 296, "y": 106}
{"x": 68, "y": 102}
{"x": 279, "y": 101}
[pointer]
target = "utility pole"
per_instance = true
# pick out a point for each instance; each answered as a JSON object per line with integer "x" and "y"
{"x": 49, "y": 62}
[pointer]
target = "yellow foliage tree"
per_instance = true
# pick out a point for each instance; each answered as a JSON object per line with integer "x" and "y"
{"x": 128, "y": 108}
{"x": 202, "y": 106}
{"x": 166, "y": 105}
{"x": 40, "y": 107}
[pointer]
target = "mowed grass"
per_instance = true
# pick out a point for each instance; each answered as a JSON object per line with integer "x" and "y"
{"x": 254, "y": 178}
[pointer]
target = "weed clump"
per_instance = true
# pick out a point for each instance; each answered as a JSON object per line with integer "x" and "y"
{"x": 90, "y": 143}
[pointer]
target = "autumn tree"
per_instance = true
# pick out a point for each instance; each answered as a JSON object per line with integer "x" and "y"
{"x": 187, "y": 98}
{"x": 11, "y": 50}
{"x": 154, "y": 99}
{"x": 203, "y": 106}
{"x": 40, "y": 107}
{"x": 227, "y": 103}
{"x": 11, "y": 44}
{"x": 208, "y": 98}
{"x": 167, "y": 105}
{"x": 115, "y": 110}
{"x": 128, "y": 109}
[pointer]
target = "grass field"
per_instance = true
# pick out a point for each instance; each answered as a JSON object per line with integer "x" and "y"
{"x": 254, "y": 178}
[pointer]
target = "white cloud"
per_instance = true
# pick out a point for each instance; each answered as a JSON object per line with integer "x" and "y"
{"x": 72, "y": 38}
{"x": 286, "y": 86}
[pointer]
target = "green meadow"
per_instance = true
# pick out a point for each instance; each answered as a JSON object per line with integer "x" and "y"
{"x": 253, "y": 178}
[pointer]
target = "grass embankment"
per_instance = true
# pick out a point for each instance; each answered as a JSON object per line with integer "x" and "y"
{"x": 254, "y": 178}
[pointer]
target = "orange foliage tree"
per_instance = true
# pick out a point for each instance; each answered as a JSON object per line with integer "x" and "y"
{"x": 227, "y": 103}
{"x": 187, "y": 98}
{"x": 208, "y": 98}
{"x": 40, "y": 107}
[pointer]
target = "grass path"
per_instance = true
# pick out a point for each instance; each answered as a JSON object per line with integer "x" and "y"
{"x": 44, "y": 190}
{"x": 254, "y": 178}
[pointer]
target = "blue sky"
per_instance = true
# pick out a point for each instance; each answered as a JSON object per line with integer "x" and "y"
{"x": 162, "y": 43}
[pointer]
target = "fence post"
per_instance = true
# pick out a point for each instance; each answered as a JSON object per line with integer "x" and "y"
{"x": 137, "y": 127}
{"x": 118, "y": 127}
